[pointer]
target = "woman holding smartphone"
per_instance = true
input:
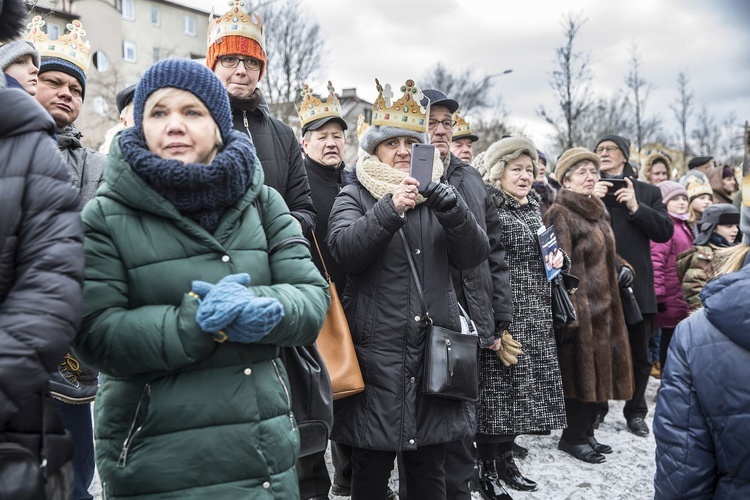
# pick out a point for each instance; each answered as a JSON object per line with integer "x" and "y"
{"x": 383, "y": 308}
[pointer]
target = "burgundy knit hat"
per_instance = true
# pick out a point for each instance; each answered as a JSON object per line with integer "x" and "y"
{"x": 670, "y": 189}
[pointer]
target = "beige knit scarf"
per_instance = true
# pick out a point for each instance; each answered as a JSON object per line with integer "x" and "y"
{"x": 381, "y": 179}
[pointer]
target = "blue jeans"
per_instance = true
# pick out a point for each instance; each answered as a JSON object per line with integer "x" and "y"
{"x": 653, "y": 347}
{"x": 77, "y": 419}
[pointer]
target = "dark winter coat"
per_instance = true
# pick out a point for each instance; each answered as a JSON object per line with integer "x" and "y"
{"x": 667, "y": 283}
{"x": 384, "y": 314}
{"x": 634, "y": 233}
{"x": 702, "y": 417}
{"x": 598, "y": 366}
{"x": 279, "y": 153}
{"x": 41, "y": 274}
{"x": 485, "y": 290}
{"x": 526, "y": 397}
{"x": 179, "y": 415}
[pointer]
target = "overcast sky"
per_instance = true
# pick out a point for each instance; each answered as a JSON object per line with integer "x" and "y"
{"x": 395, "y": 39}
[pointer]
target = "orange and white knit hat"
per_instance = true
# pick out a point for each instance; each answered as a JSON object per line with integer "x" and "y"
{"x": 236, "y": 32}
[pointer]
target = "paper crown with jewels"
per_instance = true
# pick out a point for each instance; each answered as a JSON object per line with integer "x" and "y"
{"x": 461, "y": 129}
{"x": 237, "y": 21}
{"x": 314, "y": 108}
{"x": 69, "y": 47}
{"x": 405, "y": 113}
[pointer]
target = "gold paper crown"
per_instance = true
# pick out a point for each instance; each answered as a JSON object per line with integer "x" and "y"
{"x": 313, "y": 108}
{"x": 461, "y": 128}
{"x": 362, "y": 127}
{"x": 70, "y": 47}
{"x": 237, "y": 21}
{"x": 407, "y": 112}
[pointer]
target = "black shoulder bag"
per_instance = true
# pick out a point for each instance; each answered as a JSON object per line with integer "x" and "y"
{"x": 450, "y": 361}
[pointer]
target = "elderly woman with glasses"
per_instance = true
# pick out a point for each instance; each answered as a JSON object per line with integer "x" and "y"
{"x": 596, "y": 367}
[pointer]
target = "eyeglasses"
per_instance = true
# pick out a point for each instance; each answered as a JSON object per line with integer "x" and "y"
{"x": 251, "y": 63}
{"x": 608, "y": 149}
{"x": 447, "y": 124}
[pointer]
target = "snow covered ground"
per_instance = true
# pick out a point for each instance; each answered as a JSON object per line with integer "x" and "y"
{"x": 627, "y": 474}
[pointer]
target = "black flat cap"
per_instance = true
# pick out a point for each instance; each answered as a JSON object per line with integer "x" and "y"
{"x": 437, "y": 98}
{"x": 124, "y": 97}
{"x": 698, "y": 161}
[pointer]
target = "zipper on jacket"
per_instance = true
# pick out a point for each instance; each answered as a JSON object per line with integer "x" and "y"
{"x": 286, "y": 391}
{"x": 133, "y": 431}
{"x": 246, "y": 123}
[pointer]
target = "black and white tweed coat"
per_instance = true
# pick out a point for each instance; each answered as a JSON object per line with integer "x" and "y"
{"x": 526, "y": 397}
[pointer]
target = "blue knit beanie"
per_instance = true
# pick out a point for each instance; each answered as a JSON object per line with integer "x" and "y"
{"x": 188, "y": 75}
{"x": 67, "y": 67}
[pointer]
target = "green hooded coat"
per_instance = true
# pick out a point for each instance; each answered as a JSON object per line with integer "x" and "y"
{"x": 179, "y": 415}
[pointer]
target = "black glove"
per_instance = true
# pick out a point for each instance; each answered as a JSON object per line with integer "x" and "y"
{"x": 440, "y": 197}
{"x": 624, "y": 277}
{"x": 661, "y": 306}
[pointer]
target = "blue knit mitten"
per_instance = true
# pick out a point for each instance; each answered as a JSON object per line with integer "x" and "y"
{"x": 231, "y": 307}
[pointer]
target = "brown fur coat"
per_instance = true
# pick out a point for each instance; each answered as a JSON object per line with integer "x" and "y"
{"x": 598, "y": 366}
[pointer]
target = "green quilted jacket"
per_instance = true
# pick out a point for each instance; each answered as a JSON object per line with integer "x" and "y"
{"x": 179, "y": 415}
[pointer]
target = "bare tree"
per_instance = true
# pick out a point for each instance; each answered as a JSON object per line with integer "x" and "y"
{"x": 570, "y": 83}
{"x": 492, "y": 127}
{"x": 294, "y": 49}
{"x": 683, "y": 108}
{"x": 707, "y": 134}
{"x": 606, "y": 115}
{"x": 471, "y": 92}
{"x": 645, "y": 128}
{"x": 731, "y": 145}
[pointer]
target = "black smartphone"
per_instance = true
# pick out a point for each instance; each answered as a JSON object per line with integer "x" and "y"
{"x": 422, "y": 158}
{"x": 617, "y": 184}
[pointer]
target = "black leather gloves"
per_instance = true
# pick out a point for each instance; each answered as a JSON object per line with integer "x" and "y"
{"x": 440, "y": 197}
{"x": 624, "y": 277}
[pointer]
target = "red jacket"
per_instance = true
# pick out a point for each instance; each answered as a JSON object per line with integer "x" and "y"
{"x": 667, "y": 284}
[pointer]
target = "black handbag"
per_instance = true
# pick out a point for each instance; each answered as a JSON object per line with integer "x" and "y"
{"x": 630, "y": 309}
{"x": 563, "y": 312}
{"x": 450, "y": 361}
{"x": 22, "y": 473}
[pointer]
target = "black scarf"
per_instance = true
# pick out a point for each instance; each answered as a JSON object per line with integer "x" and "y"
{"x": 199, "y": 191}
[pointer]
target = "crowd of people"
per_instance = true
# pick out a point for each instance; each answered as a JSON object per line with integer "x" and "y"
{"x": 170, "y": 280}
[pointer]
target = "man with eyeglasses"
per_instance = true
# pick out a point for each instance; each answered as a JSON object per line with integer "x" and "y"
{"x": 238, "y": 58}
{"x": 484, "y": 292}
{"x": 638, "y": 216}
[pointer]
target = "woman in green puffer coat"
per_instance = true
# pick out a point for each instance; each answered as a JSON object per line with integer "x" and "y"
{"x": 194, "y": 401}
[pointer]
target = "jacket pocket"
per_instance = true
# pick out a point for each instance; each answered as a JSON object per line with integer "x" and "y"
{"x": 136, "y": 423}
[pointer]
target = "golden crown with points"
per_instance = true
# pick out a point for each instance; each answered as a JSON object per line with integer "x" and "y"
{"x": 313, "y": 108}
{"x": 70, "y": 47}
{"x": 237, "y": 21}
{"x": 407, "y": 112}
{"x": 461, "y": 128}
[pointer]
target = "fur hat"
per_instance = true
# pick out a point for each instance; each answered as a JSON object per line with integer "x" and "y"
{"x": 186, "y": 75}
{"x": 623, "y": 143}
{"x": 699, "y": 161}
{"x": 649, "y": 164}
{"x": 670, "y": 189}
{"x": 716, "y": 215}
{"x": 572, "y": 156}
{"x": 697, "y": 185}
{"x": 376, "y": 134}
{"x": 13, "y": 51}
{"x": 494, "y": 159}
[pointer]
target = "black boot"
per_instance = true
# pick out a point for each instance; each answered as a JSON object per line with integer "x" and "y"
{"x": 489, "y": 486}
{"x": 508, "y": 471}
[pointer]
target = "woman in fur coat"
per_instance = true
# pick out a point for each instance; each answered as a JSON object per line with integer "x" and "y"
{"x": 525, "y": 397}
{"x": 597, "y": 367}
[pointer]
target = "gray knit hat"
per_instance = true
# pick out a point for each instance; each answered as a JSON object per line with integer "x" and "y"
{"x": 12, "y": 51}
{"x": 715, "y": 215}
{"x": 378, "y": 133}
{"x": 504, "y": 147}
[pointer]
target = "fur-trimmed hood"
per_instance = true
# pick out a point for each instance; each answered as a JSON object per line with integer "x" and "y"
{"x": 645, "y": 173}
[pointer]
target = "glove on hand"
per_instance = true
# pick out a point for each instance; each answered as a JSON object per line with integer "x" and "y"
{"x": 440, "y": 197}
{"x": 509, "y": 349}
{"x": 624, "y": 277}
{"x": 231, "y": 307}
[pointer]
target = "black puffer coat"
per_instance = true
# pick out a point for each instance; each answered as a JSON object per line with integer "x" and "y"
{"x": 279, "y": 153}
{"x": 41, "y": 274}
{"x": 484, "y": 290}
{"x": 384, "y": 310}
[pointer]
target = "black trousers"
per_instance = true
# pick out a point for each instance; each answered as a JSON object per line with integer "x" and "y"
{"x": 312, "y": 475}
{"x": 581, "y": 418}
{"x": 341, "y": 456}
{"x": 666, "y": 337}
{"x": 639, "y": 334}
{"x": 424, "y": 472}
{"x": 460, "y": 463}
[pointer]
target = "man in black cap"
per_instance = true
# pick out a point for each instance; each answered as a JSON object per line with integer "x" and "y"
{"x": 702, "y": 163}
{"x": 484, "y": 292}
{"x": 124, "y": 100}
{"x": 638, "y": 216}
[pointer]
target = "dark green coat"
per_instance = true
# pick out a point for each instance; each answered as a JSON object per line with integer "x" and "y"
{"x": 179, "y": 415}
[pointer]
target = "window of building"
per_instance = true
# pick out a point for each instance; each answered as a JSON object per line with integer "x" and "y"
{"x": 128, "y": 51}
{"x": 188, "y": 25}
{"x": 127, "y": 8}
{"x": 100, "y": 61}
{"x": 53, "y": 31}
{"x": 155, "y": 17}
{"x": 157, "y": 54}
